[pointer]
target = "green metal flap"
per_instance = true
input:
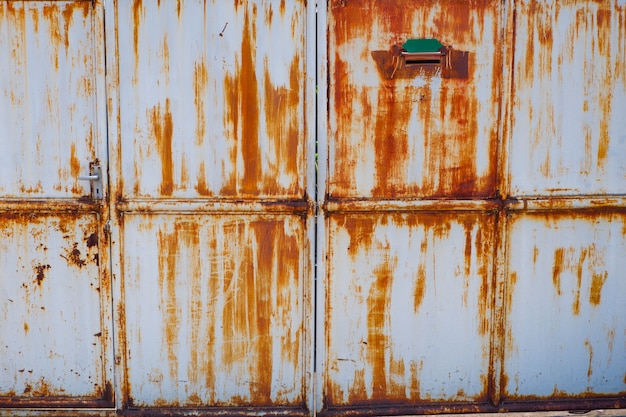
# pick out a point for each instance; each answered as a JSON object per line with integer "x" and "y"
{"x": 422, "y": 45}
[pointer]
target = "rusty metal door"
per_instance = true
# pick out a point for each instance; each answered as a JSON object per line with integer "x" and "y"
{"x": 473, "y": 225}
{"x": 55, "y": 312}
{"x": 211, "y": 169}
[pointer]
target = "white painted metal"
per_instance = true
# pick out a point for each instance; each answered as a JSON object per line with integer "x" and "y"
{"x": 569, "y": 96}
{"x": 408, "y": 308}
{"x": 211, "y": 99}
{"x": 566, "y": 300}
{"x": 48, "y": 264}
{"x": 48, "y": 94}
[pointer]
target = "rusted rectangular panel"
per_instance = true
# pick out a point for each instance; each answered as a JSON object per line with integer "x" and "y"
{"x": 408, "y": 298}
{"x": 569, "y": 98}
{"x": 50, "y": 309}
{"x": 421, "y": 132}
{"x": 215, "y": 310}
{"x": 48, "y": 83}
{"x": 565, "y": 303}
{"x": 211, "y": 99}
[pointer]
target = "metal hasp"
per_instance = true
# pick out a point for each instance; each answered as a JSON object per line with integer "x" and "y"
{"x": 95, "y": 177}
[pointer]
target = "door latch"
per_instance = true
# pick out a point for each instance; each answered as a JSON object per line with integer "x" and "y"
{"x": 95, "y": 179}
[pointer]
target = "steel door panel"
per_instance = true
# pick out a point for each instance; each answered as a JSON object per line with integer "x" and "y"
{"x": 422, "y": 135}
{"x": 212, "y": 99}
{"x": 50, "y": 310}
{"x": 55, "y": 313}
{"x": 408, "y": 308}
{"x": 565, "y": 303}
{"x": 210, "y": 124}
{"x": 47, "y": 89}
{"x": 569, "y": 96}
{"x": 214, "y": 309}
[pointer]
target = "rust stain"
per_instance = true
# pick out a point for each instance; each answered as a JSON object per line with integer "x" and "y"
{"x": 200, "y": 80}
{"x": 579, "y": 280}
{"x": 169, "y": 254}
{"x": 163, "y": 130}
{"x": 73, "y": 256}
{"x": 242, "y": 99}
{"x": 378, "y": 321}
{"x": 595, "y": 292}
{"x": 92, "y": 240}
{"x": 201, "y": 185}
{"x": 137, "y": 20}
{"x": 281, "y": 118}
{"x": 391, "y": 142}
{"x": 420, "y": 282}
{"x": 40, "y": 270}
{"x": 590, "y": 350}
{"x": 557, "y": 269}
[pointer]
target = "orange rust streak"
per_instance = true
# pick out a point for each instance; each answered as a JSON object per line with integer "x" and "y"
{"x": 201, "y": 186}
{"x": 200, "y": 77}
{"x": 260, "y": 297}
{"x": 281, "y": 119}
{"x": 242, "y": 98}
{"x": 595, "y": 292}
{"x": 162, "y": 130}
{"x": 557, "y": 269}
{"x": 377, "y": 326}
{"x": 168, "y": 244}
{"x": 391, "y": 142}
{"x": 579, "y": 279}
{"x": 137, "y": 15}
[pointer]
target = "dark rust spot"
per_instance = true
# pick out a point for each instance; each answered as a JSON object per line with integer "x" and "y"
{"x": 41, "y": 273}
{"x": 73, "y": 256}
{"x": 92, "y": 240}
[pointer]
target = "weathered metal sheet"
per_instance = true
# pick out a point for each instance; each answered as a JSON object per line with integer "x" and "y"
{"x": 210, "y": 178}
{"x": 569, "y": 98}
{"x": 55, "y": 315}
{"x": 211, "y": 99}
{"x": 214, "y": 310}
{"x": 51, "y": 329}
{"x": 48, "y": 128}
{"x": 565, "y": 303}
{"x": 408, "y": 308}
{"x": 428, "y": 132}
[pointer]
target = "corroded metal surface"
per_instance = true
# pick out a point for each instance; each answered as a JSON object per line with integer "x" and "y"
{"x": 420, "y": 135}
{"x": 568, "y": 98}
{"x": 566, "y": 328}
{"x": 473, "y": 216}
{"x": 47, "y": 88}
{"x": 55, "y": 317}
{"x": 211, "y": 99}
{"x": 208, "y": 143}
{"x": 409, "y": 308}
{"x": 214, "y": 310}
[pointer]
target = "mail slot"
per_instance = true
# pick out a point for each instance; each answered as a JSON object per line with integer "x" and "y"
{"x": 423, "y": 52}
{"x": 426, "y": 56}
